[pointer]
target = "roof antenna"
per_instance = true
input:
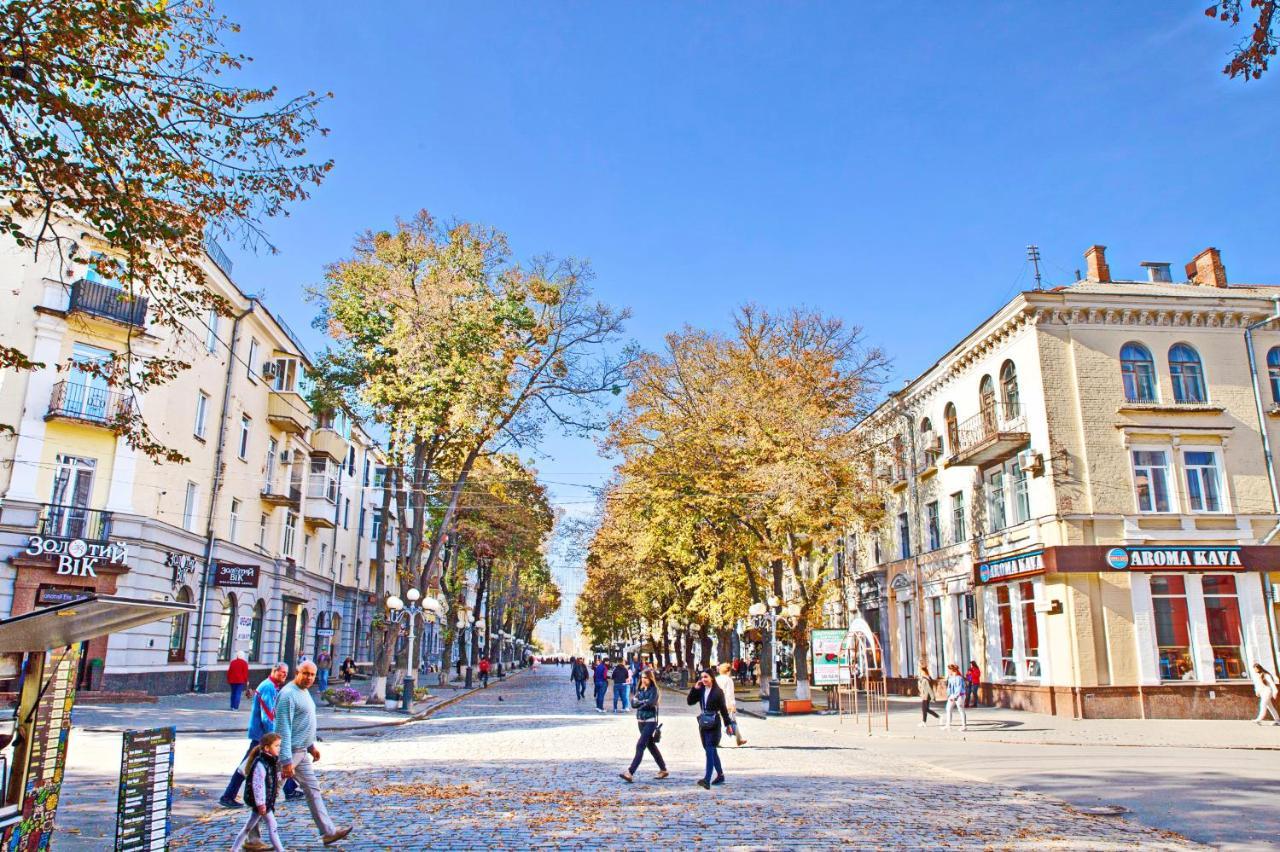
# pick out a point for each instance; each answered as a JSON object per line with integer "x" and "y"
{"x": 1033, "y": 255}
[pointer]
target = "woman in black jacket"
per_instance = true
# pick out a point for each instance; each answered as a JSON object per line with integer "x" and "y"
{"x": 711, "y": 719}
{"x": 646, "y": 702}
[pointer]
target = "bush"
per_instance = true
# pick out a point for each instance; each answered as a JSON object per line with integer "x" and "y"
{"x": 392, "y": 693}
{"x": 342, "y": 696}
{"x": 420, "y": 693}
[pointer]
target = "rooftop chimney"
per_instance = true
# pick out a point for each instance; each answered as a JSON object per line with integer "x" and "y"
{"x": 1157, "y": 271}
{"x": 1206, "y": 269}
{"x": 1096, "y": 260}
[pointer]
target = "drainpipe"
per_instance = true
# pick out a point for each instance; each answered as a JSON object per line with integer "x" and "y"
{"x": 1269, "y": 463}
{"x": 915, "y": 539}
{"x": 213, "y": 493}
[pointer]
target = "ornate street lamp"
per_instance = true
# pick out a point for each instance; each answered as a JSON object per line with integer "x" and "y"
{"x": 465, "y": 623}
{"x": 401, "y": 613}
{"x": 768, "y": 615}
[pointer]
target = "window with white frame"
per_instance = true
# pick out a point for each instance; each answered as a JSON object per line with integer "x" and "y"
{"x": 202, "y": 414}
{"x": 286, "y": 374}
{"x": 1004, "y": 619}
{"x": 1226, "y": 629}
{"x": 939, "y": 636}
{"x": 191, "y": 507}
{"x": 1030, "y": 630}
{"x": 958, "y": 523}
{"x": 290, "y": 531}
{"x": 933, "y": 526}
{"x": 904, "y": 535}
{"x": 1151, "y": 481}
{"x": 1173, "y": 627}
{"x": 1204, "y": 492}
{"x": 246, "y": 426}
{"x": 908, "y": 641}
{"x": 997, "y": 517}
{"x": 1017, "y": 631}
{"x": 262, "y": 532}
{"x": 211, "y": 334}
{"x": 251, "y": 366}
{"x": 1020, "y": 499}
{"x": 233, "y": 529}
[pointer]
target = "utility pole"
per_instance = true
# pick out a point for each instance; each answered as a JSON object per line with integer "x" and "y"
{"x": 1033, "y": 255}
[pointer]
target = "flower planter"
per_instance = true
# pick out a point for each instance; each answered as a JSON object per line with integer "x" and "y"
{"x": 392, "y": 703}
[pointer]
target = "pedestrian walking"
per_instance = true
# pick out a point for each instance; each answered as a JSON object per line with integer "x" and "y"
{"x": 637, "y": 667}
{"x": 600, "y": 682}
{"x": 710, "y": 699}
{"x": 578, "y": 674}
{"x": 973, "y": 678}
{"x": 924, "y": 685}
{"x": 296, "y": 725}
{"x": 261, "y": 722}
{"x": 956, "y": 691}
{"x": 348, "y": 671}
{"x": 621, "y": 686}
{"x": 755, "y": 670}
{"x": 646, "y": 701}
{"x": 237, "y": 677}
{"x": 484, "y": 671}
{"x": 323, "y": 663}
{"x": 1266, "y": 688}
{"x": 260, "y": 792}
{"x": 725, "y": 682}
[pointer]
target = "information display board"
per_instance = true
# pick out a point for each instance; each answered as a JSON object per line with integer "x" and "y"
{"x": 829, "y": 657}
{"x": 146, "y": 790}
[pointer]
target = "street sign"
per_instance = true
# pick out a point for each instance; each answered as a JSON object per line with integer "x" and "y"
{"x": 146, "y": 790}
{"x": 830, "y": 657}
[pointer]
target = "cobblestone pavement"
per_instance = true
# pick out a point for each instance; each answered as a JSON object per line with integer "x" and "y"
{"x": 524, "y": 765}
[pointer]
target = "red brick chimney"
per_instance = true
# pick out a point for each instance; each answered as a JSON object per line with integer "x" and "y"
{"x": 1096, "y": 260}
{"x": 1206, "y": 269}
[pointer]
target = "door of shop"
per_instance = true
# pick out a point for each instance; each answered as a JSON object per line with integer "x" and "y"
{"x": 291, "y": 641}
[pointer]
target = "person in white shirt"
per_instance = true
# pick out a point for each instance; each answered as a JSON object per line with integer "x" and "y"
{"x": 724, "y": 680}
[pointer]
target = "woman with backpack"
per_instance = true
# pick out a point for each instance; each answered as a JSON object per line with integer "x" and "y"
{"x": 1266, "y": 688}
{"x": 712, "y": 713}
{"x": 645, "y": 701}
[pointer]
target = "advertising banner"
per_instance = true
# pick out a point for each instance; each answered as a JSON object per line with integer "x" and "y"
{"x": 829, "y": 657}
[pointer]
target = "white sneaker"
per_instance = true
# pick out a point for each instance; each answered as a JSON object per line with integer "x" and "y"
{"x": 946, "y": 727}
{"x": 923, "y": 725}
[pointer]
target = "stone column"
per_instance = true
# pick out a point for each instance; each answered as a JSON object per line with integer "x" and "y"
{"x": 30, "y": 443}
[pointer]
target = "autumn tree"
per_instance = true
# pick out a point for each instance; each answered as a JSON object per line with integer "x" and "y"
{"x": 120, "y": 127}
{"x": 1252, "y": 55}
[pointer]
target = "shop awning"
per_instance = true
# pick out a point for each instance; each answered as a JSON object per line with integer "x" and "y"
{"x": 81, "y": 620}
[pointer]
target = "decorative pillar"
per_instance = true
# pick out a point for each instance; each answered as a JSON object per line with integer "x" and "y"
{"x": 124, "y": 465}
{"x": 30, "y": 442}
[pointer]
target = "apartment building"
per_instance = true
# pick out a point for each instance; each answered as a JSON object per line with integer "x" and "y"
{"x": 267, "y": 527}
{"x": 1081, "y": 499}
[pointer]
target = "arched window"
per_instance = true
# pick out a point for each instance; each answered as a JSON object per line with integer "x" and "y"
{"x": 178, "y": 629}
{"x": 255, "y": 632}
{"x": 1139, "y": 373}
{"x": 1009, "y": 389}
{"x": 1187, "y": 374}
{"x": 227, "y": 641}
{"x": 987, "y": 404}
{"x": 1273, "y": 372}
{"x": 953, "y": 427}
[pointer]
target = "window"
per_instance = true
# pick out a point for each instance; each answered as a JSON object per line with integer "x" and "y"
{"x": 932, "y": 443}
{"x": 932, "y": 526}
{"x": 72, "y": 490}
{"x": 952, "y": 427}
{"x": 255, "y": 632}
{"x": 245, "y": 425}
{"x": 306, "y": 548}
{"x": 262, "y": 532}
{"x": 996, "y": 514}
{"x": 379, "y": 476}
{"x": 962, "y": 621}
{"x": 1138, "y": 372}
{"x": 1173, "y": 630}
{"x": 1009, "y": 389}
{"x": 376, "y": 527}
{"x": 908, "y": 642}
{"x": 1030, "y": 630}
{"x": 939, "y": 637}
{"x": 227, "y": 641}
{"x": 202, "y": 414}
{"x": 1151, "y": 480}
{"x": 233, "y": 530}
{"x": 290, "y": 532}
{"x": 1273, "y": 372}
{"x": 273, "y": 447}
{"x": 987, "y": 404}
{"x": 286, "y": 374}
{"x": 87, "y": 393}
{"x": 346, "y": 514}
{"x": 323, "y": 482}
{"x": 1004, "y": 612}
{"x": 252, "y": 365}
{"x": 1186, "y": 373}
{"x": 1021, "y": 499}
{"x": 178, "y": 629}
{"x": 211, "y": 336}
{"x": 104, "y": 270}
{"x": 904, "y": 535}
{"x": 1203, "y": 493}
{"x": 1226, "y": 638}
{"x": 958, "y": 531}
{"x": 324, "y": 553}
{"x": 191, "y": 507}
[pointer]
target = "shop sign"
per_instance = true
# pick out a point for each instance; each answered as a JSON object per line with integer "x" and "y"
{"x": 1012, "y": 566}
{"x": 77, "y": 557}
{"x": 52, "y": 595}
{"x": 184, "y": 566}
{"x": 1164, "y": 558}
{"x": 324, "y": 632}
{"x": 226, "y": 574}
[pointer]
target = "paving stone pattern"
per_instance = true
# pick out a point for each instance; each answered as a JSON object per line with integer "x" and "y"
{"x": 524, "y": 765}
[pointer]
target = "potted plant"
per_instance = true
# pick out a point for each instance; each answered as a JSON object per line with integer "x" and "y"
{"x": 421, "y": 693}
{"x": 342, "y": 696}
{"x": 392, "y": 697}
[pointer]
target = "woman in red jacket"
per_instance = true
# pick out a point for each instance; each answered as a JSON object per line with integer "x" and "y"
{"x": 237, "y": 677}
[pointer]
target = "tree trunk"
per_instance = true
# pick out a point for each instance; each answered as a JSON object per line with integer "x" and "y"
{"x": 704, "y": 646}
{"x": 724, "y": 647}
{"x": 800, "y": 641}
{"x": 382, "y": 656}
{"x": 666, "y": 644}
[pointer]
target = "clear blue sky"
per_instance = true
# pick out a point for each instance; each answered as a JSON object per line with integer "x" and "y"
{"x": 884, "y": 162}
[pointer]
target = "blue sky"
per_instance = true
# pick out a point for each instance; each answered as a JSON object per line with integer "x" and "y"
{"x": 887, "y": 163}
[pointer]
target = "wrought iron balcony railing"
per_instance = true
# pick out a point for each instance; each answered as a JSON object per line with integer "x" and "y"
{"x": 101, "y": 300}
{"x": 78, "y": 401}
{"x": 58, "y": 521}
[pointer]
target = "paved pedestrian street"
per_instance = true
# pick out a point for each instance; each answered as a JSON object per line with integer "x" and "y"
{"x": 524, "y": 765}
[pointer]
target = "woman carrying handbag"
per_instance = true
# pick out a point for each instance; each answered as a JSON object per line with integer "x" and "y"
{"x": 712, "y": 716}
{"x": 646, "y": 701}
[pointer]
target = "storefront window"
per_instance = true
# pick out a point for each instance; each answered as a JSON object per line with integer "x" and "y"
{"x": 939, "y": 637}
{"x": 227, "y": 636}
{"x": 908, "y": 642}
{"x": 1030, "y": 628}
{"x": 1173, "y": 633}
{"x": 255, "y": 632}
{"x": 1222, "y": 612}
{"x": 1004, "y": 610}
{"x": 963, "y": 653}
{"x": 178, "y": 630}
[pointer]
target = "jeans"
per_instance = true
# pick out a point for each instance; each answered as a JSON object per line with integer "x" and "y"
{"x": 484, "y": 678}
{"x": 970, "y": 695}
{"x": 925, "y": 711}
{"x": 251, "y": 829}
{"x": 237, "y": 690}
{"x": 601, "y": 688}
{"x": 956, "y": 702}
{"x": 305, "y": 772}
{"x": 580, "y": 686}
{"x": 322, "y": 679}
{"x": 621, "y": 690}
{"x": 233, "y": 786}
{"x": 647, "y": 730}
{"x": 711, "y": 742}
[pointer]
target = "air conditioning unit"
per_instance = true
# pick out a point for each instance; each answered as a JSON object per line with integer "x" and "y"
{"x": 1030, "y": 460}
{"x": 270, "y": 370}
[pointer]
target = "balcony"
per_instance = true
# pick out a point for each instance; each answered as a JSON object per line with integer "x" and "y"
{"x": 92, "y": 525}
{"x": 87, "y": 404}
{"x": 288, "y": 410}
{"x": 992, "y": 435}
{"x": 330, "y": 443}
{"x": 320, "y": 514}
{"x": 275, "y": 494}
{"x": 106, "y": 302}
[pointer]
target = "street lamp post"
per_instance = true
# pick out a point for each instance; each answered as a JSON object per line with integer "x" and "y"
{"x": 466, "y": 622}
{"x": 400, "y": 613}
{"x": 767, "y": 615}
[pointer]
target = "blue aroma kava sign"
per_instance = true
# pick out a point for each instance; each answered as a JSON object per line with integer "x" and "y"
{"x": 1121, "y": 558}
{"x": 1013, "y": 566}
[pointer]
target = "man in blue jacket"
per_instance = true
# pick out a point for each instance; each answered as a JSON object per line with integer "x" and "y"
{"x": 262, "y": 720}
{"x": 600, "y": 680}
